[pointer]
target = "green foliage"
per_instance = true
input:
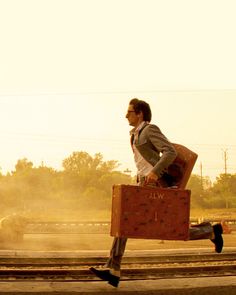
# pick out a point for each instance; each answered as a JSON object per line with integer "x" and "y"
{"x": 222, "y": 194}
{"x": 84, "y": 183}
{"x": 23, "y": 165}
{"x": 196, "y": 187}
{"x": 224, "y": 190}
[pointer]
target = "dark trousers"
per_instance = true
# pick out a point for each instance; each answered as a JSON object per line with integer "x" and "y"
{"x": 197, "y": 232}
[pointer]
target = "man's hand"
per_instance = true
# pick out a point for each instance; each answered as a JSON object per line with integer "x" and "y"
{"x": 150, "y": 178}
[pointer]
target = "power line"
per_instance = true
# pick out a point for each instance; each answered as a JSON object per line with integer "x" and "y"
{"x": 118, "y": 92}
{"x": 68, "y": 138}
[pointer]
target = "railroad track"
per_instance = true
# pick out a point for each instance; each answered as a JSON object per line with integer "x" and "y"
{"x": 133, "y": 268}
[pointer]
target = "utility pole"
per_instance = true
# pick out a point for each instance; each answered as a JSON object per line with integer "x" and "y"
{"x": 225, "y": 156}
{"x": 201, "y": 175}
{"x": 226, "y": 187}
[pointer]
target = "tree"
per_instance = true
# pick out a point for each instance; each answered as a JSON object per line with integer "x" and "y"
{"x": 196, "y": 186}
{"x": 80, "y": 162}
{"x": 224, "y": 190}
{"x": 85, "y": 182}
{"x": 82, "y": 170}
{"x": 23, "y": 165}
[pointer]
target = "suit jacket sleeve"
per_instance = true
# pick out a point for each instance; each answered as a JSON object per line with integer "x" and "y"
{"x": 162, "y": 145}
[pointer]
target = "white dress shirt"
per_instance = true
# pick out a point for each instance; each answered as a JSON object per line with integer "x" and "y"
{"x": 143, "y": 167}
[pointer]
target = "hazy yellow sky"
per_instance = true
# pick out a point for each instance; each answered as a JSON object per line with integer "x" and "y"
{"x": 68, "y": 69}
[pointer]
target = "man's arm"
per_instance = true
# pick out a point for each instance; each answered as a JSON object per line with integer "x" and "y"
{"x": 163, "y": 146}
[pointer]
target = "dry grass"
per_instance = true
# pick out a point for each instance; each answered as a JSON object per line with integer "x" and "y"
{"x": 213, "y": 213}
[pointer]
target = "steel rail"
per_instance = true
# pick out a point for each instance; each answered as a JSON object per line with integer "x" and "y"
{"x": 98, "y": 260}
{"x": 127, "y": 273}
{"x": 132, "y": 269}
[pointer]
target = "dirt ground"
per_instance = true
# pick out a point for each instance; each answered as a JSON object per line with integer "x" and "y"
{"x": 67, "y": 242}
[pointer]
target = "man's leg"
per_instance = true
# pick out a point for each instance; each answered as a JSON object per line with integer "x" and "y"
{"x": 116, "y": 253}
{"x": 205, "y": 230}
{"x": 111, "y": 271}
{"x": 201, "y": 231}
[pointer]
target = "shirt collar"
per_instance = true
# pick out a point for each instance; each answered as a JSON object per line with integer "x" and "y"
{"x": 135, "y": 130}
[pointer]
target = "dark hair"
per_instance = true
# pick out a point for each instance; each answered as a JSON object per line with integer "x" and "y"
{"x": 142, "y": 106}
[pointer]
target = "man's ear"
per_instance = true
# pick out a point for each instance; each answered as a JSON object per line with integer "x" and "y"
{"x": 140, "y": 114}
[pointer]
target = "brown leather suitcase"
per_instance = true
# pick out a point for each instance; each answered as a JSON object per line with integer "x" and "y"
{"x": 179, "y": 171}
{"x": 150, "y": 213}
{"x": 186, "y": 159}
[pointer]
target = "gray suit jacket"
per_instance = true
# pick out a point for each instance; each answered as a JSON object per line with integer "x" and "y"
{"x": 155, "y": 148}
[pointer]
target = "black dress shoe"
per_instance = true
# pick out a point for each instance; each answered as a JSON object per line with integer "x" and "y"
{"x": 114, "y": 281}
{"x": 218, "y": 240}
{"x": 105, "y": 275}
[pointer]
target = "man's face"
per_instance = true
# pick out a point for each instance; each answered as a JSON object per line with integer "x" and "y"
{"x": 132, "y": 117}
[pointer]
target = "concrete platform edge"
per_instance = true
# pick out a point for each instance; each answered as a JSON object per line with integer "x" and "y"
{"x": 193, "y": 286}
